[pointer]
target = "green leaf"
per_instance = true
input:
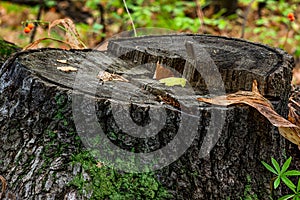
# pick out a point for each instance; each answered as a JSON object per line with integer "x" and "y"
{"x": 276, "y": 182}
{"x": 292, "y": 173}
{"x": 298, "y": 185}
{"x": 271, "y": 169}
{"x": 286, "y": 165}
{"x": 286, "y": 197}
{"x": 288, "y": 182}
{"x": 276, "y": 165}
{"x": 171, "y": 81}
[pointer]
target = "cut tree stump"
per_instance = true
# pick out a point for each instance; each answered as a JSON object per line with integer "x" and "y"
{"x": 39, "y": 130}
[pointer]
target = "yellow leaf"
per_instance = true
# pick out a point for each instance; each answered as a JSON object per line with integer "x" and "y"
{"x": 254, "y": 99}
{"x": 173, "y": 81}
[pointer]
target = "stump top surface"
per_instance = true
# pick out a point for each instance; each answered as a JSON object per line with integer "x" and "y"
{"x": 239, "y": 62}
{"x": 227, "y": 53}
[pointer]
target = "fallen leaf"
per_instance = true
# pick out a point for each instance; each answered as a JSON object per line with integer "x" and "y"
{"x": 67, "y": 69}
{"x": 254, "y": 99}
{"x": 4, "y": 185}
{"x": 172, "y": 81}
{"x": 296, "y": 76}
{"x": 106, "y": 76}
{"x": 169, "y": 100}
{"x": 162, "y": 72}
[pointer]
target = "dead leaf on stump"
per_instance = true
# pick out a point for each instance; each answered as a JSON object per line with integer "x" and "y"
{"x": 4, "y": 185}
{"x": 106, "y": 76}
{"x": 254, "y": 99}
{"x": 162, "y": 72}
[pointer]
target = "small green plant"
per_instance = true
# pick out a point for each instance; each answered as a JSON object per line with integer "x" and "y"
{"x": 282, "y": 176}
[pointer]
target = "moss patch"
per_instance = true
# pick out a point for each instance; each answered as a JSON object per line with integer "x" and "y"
{"x": 6, "y": 49}
{"x": 107, "y": 183}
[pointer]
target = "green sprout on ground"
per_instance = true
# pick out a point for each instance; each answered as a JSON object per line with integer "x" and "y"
{"x": 282, "y": 174}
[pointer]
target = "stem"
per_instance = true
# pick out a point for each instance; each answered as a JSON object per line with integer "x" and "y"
{"x": 131, "y": 21}
{"x": 246, "y": 18}
{"x": 41, "y": 8}
{"x": 200, "y": 16}
{"x": 272, "y": 186}
{"x": 287, "y": 35}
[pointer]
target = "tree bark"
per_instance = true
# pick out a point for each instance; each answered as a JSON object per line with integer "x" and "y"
{"x": 39, "y": 127}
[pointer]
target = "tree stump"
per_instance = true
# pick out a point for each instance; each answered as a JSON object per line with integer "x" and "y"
{"x": 47, "y": 115}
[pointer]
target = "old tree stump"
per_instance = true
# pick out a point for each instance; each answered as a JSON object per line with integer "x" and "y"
{"x": 48, "y": 115}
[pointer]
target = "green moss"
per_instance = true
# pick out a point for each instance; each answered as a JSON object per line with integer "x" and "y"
{"x": 6, "y": 49}
{"x": 248, "y": 194}
{"x": 107, "y": 183}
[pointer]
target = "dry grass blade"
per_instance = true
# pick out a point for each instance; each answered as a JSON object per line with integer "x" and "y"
{"x": 34, "y": 44}
{"x": 72, "y": 36}
{"x": 4, "y": 185}
{"x": 254, "y": 99}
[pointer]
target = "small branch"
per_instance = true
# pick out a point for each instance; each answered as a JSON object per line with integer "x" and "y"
{"x": 246, "y": 18}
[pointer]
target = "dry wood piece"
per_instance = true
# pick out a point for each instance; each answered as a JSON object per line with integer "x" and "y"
{"x": 4, "y": 185}
{"x": 67, "y": 69}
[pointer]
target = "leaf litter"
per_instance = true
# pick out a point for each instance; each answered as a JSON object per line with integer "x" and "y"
{"x": 289, "y": 129}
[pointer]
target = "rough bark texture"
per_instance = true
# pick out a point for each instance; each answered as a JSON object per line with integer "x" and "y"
{"x": 38, "y": 135}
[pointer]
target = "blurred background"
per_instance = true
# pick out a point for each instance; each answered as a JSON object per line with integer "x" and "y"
{"x": 263, "y": 21}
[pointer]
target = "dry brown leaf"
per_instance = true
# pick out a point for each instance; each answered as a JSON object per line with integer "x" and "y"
{"x": 4, "y": 185}
{"x": 106, "y": 76}
{"x": 254, "y": 99}
{"x": 67, "y": 69}
{"x": 293, "y": 115}
{"x": 162, "y": 72}
{"x": 72, "y": 36}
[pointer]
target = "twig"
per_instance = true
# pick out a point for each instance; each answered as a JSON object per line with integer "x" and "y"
{"x": 131, "y": 21}
{"x": 286, "y": 36}
{"x": 246, "y": 18}
{"x": 200, "y": 16}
